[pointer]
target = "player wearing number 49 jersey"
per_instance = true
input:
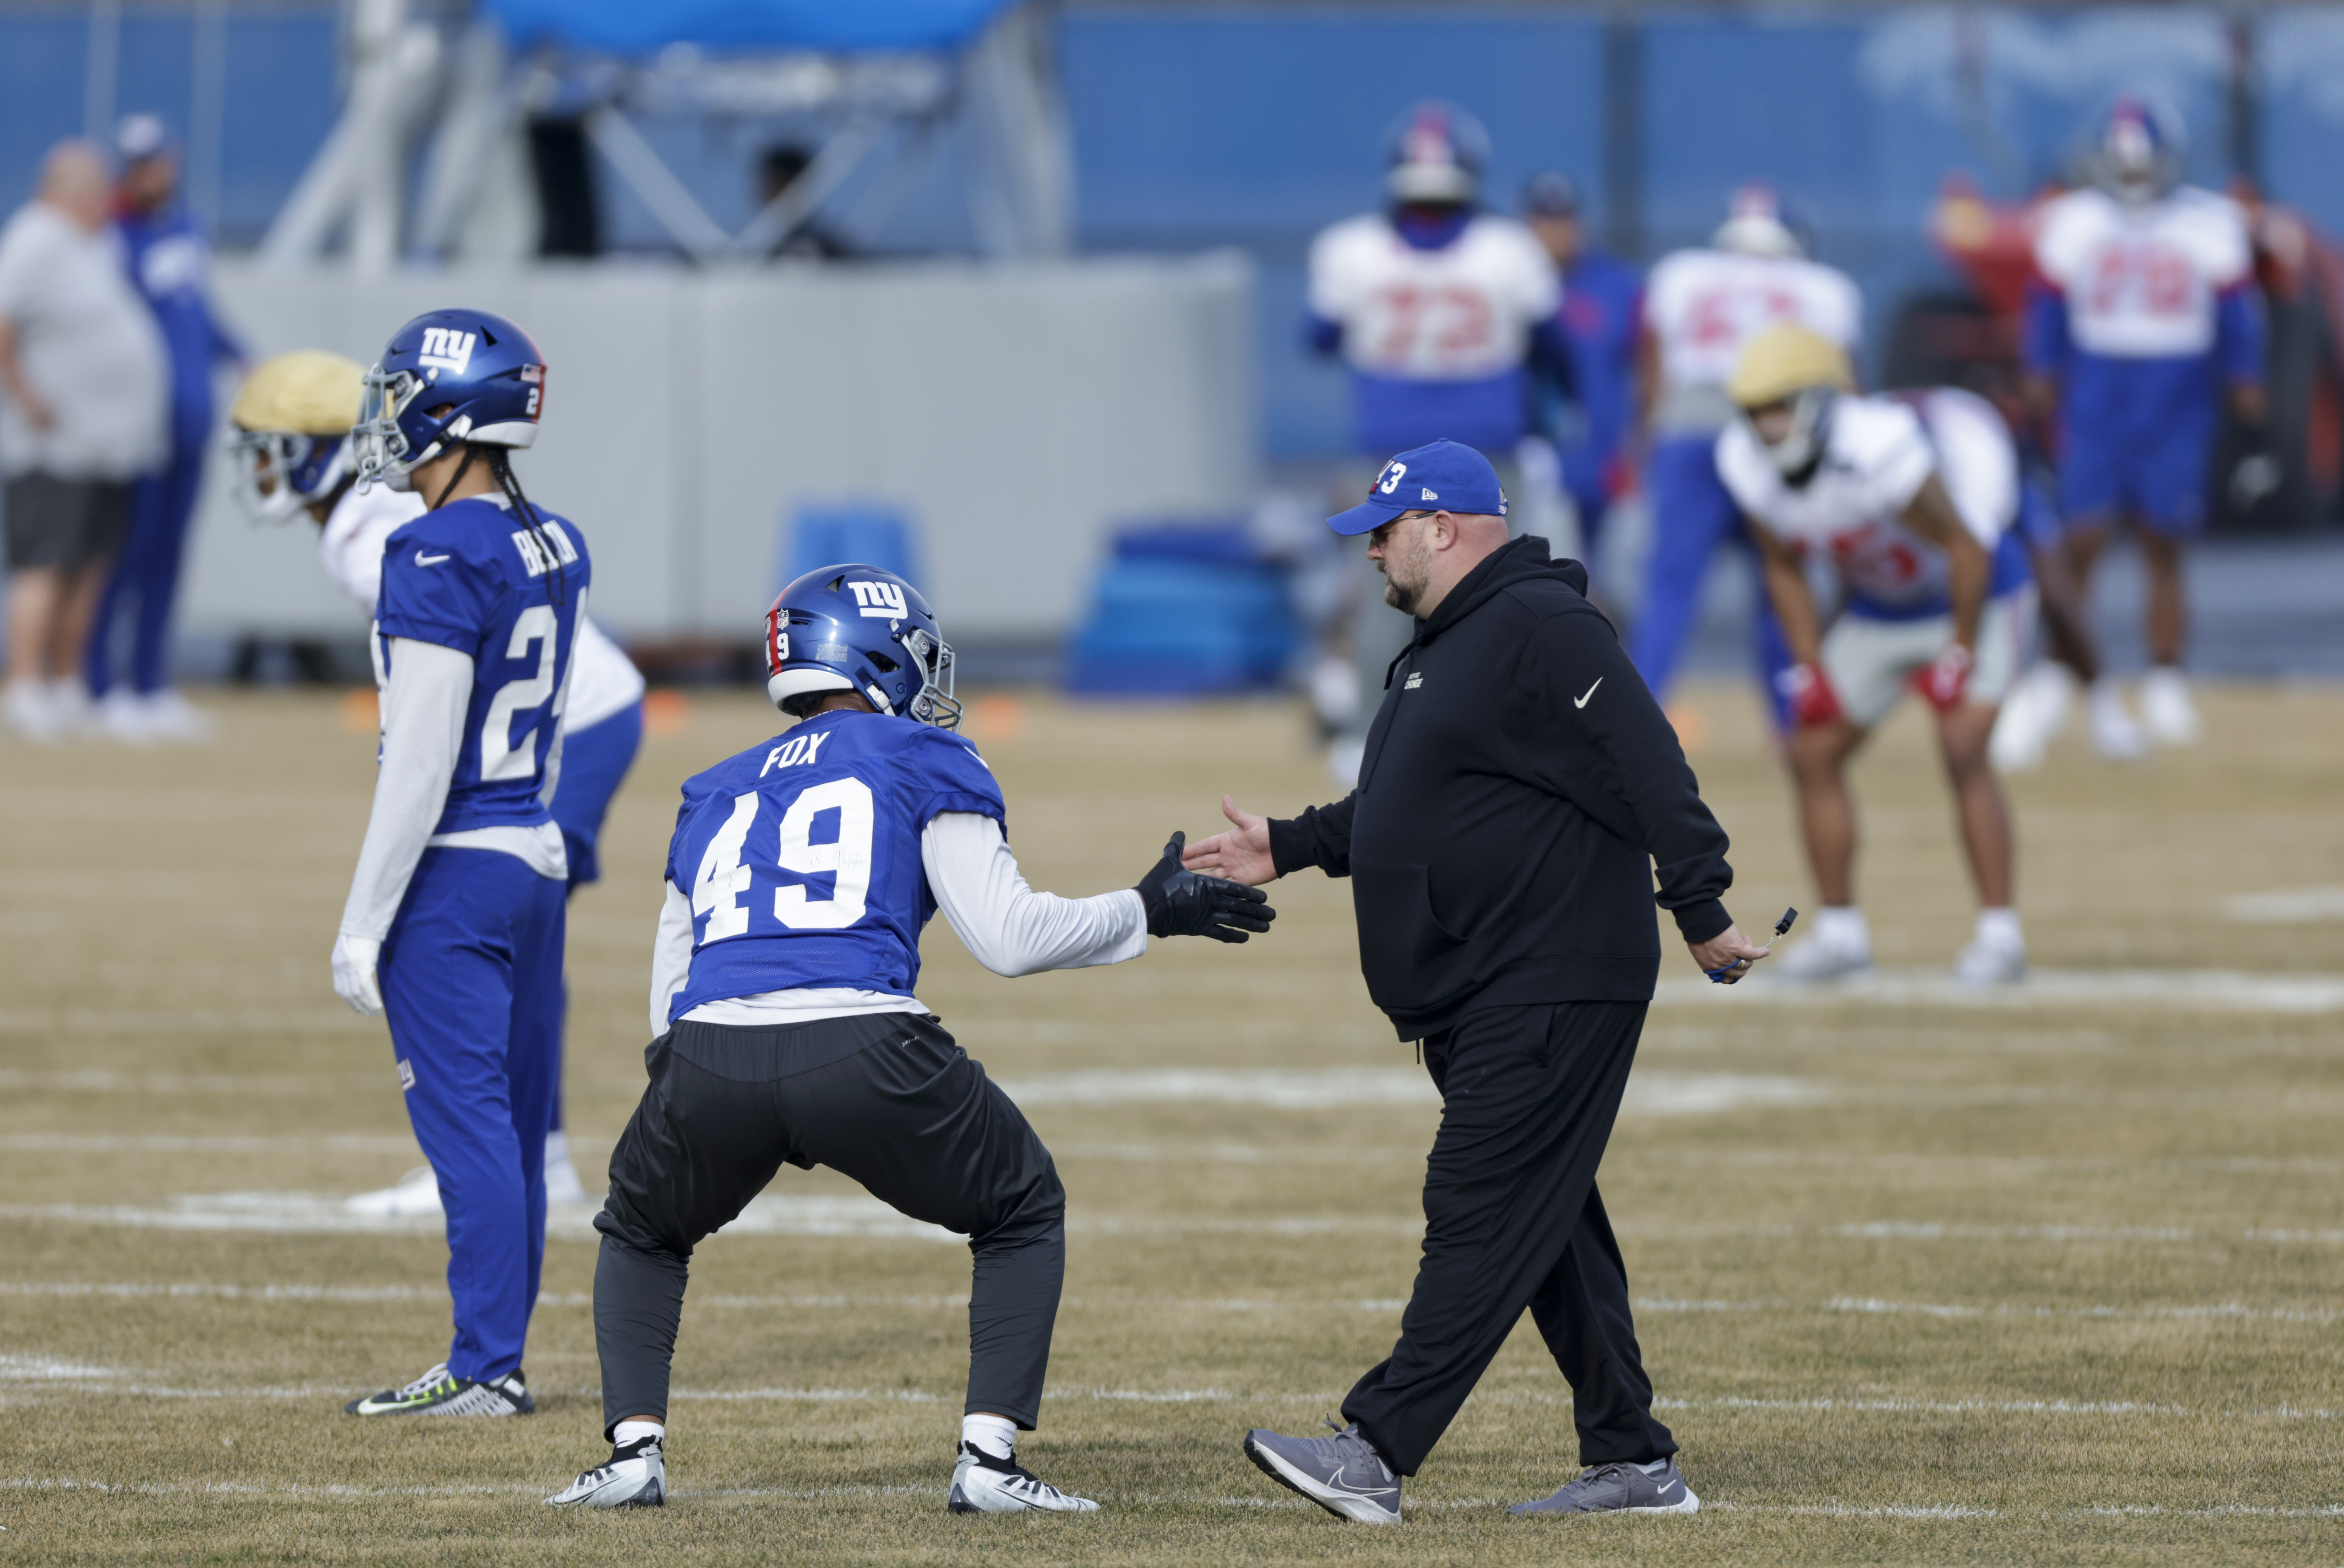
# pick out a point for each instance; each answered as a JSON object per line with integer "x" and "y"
{"x": 454, "y": 924}
{"x": 788, "y": 1031}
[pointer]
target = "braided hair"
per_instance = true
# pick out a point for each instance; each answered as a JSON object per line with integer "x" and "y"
{"x": 557, "y": 587}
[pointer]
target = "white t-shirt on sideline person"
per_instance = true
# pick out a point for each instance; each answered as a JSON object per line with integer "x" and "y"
{"x": 90, "y": 346}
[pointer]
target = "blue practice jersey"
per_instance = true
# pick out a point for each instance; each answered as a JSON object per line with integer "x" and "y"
{"x": 802, "y": 855}
{"x": 171, "y": 264}
{"x": 471, "y": 577}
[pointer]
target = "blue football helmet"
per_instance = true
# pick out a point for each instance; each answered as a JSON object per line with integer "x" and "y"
{"x": 1760, "y": 222}
{"x": 2138, "y": 157}
{"x": 858, "y": 629}
{"x": 1438, "y": 152}
{"x": 481, "y": 367}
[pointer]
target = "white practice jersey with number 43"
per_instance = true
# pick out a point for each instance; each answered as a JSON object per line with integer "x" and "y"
{"x": 1463, "y": 312}
{"x": 1701, "y": 305}
{"x": 2140, "y": 282}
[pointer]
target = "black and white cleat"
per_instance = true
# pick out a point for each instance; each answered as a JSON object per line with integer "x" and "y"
{"x": 984, "y": 1484}
{"x": 634, "y": 1476}
{"x": 437, "y": 1393}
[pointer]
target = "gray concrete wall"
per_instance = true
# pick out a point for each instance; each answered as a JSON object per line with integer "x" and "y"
{"x": 1017, "y": 412}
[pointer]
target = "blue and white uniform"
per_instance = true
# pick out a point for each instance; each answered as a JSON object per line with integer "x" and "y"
{"x": 1899, "y": 611}
{"x": 169, "y": 262}
{"x": 462, "y": 879}
{"x": 2144, "y": 312}
{"x": 603, "y": 727}
{"x": 804, "y": 870}
{"x": 1603, "y": 302}
{"x": 1701, "y": 308}
{"x": 1437, "y": 322}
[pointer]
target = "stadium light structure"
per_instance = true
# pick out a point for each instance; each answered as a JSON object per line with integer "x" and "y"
{"x": 891, "y": 74}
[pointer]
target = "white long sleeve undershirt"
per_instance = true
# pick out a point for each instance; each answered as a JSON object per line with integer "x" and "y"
{"x": 424, "y": 703}
{"x": 1005, "y": 924}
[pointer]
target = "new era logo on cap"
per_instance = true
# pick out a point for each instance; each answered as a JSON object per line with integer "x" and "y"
{"x": 1449, "y": 475}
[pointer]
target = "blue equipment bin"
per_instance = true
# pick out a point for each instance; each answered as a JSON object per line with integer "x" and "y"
{"x": 1183, "y": 609}
{"x": 834, "y": 532}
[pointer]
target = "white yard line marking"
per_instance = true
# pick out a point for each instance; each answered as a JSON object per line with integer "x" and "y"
{"x": 1651, "y": 1092}
{"x": 180, "y": 1021}
{"x": 2197, "y": 990}
{"x": 173, "y": 1143}
{"x": 2294, "y": 907}
{"x": 101, "y": 1082}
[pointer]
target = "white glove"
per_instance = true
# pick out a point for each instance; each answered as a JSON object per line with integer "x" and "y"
{"x": 354, "y": 981}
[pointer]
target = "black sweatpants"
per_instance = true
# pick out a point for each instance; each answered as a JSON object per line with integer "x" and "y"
{"x": 884, "y": 1097}
{"x": 1512, "y": 1219}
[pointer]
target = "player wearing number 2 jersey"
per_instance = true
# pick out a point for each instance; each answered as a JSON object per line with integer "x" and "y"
{"x": 788, "y": 1030}
{"x": 2143, "y": 315}
{"x": 1701, "y": 308}
{"x": 1911, "y": 503}
{"x": 454, "y": 924}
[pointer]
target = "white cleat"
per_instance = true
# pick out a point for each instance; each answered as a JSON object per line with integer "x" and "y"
{"x": 70, "y": 708}
{"x": 634, "y": 1476}
{"x": 1987, "y": 963}
{"x": 561, "y": 1183}
{"x": 25, "y": 708}
{"x": 2033, "y": 716}
{"x": 122, "y": 716}
{"x": 2115, "y": 735}
{"x": 984, "y": 1484}
{"x": 416, "y": 1196}
{"x": 1823, "y": 957}
{"x": 171, "y": 717}
{"x": 2165, "y": 710}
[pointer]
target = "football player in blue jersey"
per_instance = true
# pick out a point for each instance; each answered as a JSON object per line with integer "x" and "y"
{"x": 788, "y": 1031}
{"x": 454, "y": 925}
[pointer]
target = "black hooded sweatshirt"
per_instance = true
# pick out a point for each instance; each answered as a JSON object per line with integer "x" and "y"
{"x": 1519, "y": 786}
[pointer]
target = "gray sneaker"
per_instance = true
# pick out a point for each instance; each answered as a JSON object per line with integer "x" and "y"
{"x": 1619, "y": 1489}
{"x": 1343, "y": 1475}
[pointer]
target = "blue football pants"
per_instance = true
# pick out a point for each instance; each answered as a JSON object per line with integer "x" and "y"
{"x": 147, "y": 574}
{"x": 1693, "y": 514}
{"x": 595, "y": 762}
{"x": 471, "y": 981}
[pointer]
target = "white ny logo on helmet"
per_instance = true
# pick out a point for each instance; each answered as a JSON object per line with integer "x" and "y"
{"x": 1392, "y": 474}
{"x": 882, "y": 601}
{"x": 446, "y": 348}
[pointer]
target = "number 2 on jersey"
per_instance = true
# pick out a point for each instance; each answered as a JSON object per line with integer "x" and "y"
{"x": 723, "y": 878}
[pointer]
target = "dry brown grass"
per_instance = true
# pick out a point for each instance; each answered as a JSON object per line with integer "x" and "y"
{"x": 2017, "y": 1284}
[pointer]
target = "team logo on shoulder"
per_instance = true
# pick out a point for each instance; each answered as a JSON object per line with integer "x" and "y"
{"x": 881, "y": 601}
{"x": 446, "y": 348}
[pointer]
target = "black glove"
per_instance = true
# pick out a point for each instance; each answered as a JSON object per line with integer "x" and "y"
{"x": 1180, "y": 903}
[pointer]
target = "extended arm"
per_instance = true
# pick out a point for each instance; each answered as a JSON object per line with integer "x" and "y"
{"x": 423, "y": 708}
{"x": 670, "y": 956}
{"x": 1931, "y": 514}
{"x": 1005, "y": 925}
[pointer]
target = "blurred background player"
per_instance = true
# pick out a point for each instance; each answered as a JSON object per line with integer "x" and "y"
{"x": 1912, "y": 504}
{"x": 787, "y": 1030}
{"x": 293, "y": 419}
{"x": 169, "y": 262}
{"x": 1438, "y": 308}
{"x": 454, "y": 925}
{"x": 2143, "y": 316}
{"x": 1602, "y": 304}
{"x": 82, "y": 397}
{"x": 1701, "y": 305}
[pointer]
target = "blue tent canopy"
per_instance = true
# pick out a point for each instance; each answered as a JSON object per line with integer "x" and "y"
{"x": 643, "y": 26}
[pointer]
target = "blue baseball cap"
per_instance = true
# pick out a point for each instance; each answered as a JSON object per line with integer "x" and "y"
{"x": 1447, "y": 476}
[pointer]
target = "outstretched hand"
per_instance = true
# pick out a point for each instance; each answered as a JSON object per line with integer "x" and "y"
{"x": 1240, "y": 854}
{"x": 1181, "y": 902}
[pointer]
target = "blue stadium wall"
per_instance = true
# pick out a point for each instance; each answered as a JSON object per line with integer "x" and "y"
{"x": 1253, "y": 126}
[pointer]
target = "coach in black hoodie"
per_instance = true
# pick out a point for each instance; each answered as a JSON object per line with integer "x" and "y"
{"x": 1519, "y": 788}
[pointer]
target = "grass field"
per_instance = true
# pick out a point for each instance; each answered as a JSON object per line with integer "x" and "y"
{"x": 2051, "y": 1279}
